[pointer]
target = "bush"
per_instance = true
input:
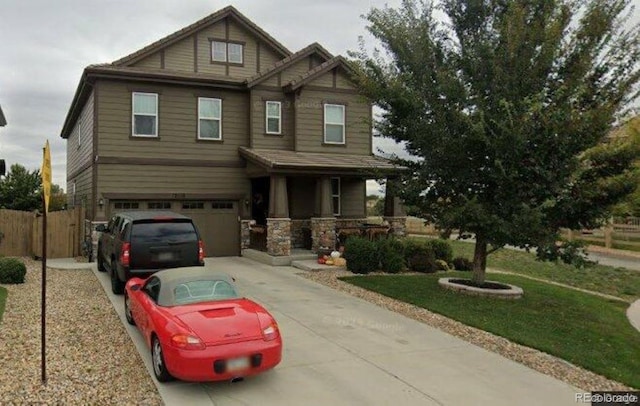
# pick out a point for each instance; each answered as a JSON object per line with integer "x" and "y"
{"x": 442, "y": 265}
{"x": 462, "y": 264}
{"x": 423, "y": 261}
{"x": 442, "y": 250}
{"x": 361, "y": 255}
{"x": 391, "y": 255}
{"x": 12, "y": 270}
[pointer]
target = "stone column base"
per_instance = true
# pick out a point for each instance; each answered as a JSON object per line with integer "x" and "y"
{"x": 245, "y": 233}
{"x": 323, "y": 233}
{"x": 397, "y": 226}
{"x": 279, "y": 237}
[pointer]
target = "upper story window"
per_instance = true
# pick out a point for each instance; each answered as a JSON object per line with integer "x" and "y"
{"x": 231, "y": 52}
{"x": 334, "y": 123}
{"x": 335, "y": 195}
{"x": 273, "y": 117}
{"x": 145, "y": 114}
{"x": 209, "y": 119}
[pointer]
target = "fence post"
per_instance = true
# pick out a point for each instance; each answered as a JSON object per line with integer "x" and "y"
{"x": 608, "y": 235}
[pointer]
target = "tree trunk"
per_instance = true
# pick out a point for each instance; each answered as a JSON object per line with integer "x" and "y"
{"x": 479, "y": 260}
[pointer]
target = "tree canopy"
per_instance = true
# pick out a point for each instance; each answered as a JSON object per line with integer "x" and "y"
{"x": 501, "y": 103}
{"x": 21, "y": 189}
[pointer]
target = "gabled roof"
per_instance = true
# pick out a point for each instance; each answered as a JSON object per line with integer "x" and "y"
{"x": 274, "y": 160}
{"x": 281, "y": 65}
{"x": 3, "y": 121}
{"x": 318, "y": 71}
{"x": 221, "y": 14}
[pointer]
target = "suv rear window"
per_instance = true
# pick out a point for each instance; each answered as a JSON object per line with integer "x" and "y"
{"x": 164, "y": 231}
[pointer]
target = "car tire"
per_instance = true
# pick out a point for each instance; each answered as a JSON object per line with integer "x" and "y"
{"x": 127, "y": 310}
{"x": 157, "y": 361}
{"x": 101, "y": 267}
{"x": 117, "y": 286}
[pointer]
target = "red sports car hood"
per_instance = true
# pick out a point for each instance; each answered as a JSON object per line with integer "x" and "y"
{"x": 221, "y": 322}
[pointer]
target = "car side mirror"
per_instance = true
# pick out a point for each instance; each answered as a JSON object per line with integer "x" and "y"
{"x": 135, "y": 288}
{"x": 101, "y": 228}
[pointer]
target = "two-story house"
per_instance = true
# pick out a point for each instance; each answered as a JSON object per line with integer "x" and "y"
{"x": 221, "y": 122}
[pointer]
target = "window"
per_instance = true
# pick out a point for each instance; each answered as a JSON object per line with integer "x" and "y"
{"x": 334, "y": 124}
{"x": 152, "y": 288}
{"x": 193, "y": 205}
{"x": 145, "y": 114}
{"x": 126, "y": 205}
{"x": 209, "y": 119}
{"x": 335, "y": 195}
{"x": 274, "y": 117}
{"x": 159, "y": 205}
{"x": 235, "y": 53}
{"x": 219, "y": 51}
{"x": 222, "y": 205}
{"x": 230, "y": 52}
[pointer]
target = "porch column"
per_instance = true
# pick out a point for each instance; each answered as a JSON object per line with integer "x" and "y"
{"x": 323, "y": 228}
{"x": 394, "y": 213}
{"x": 278, "y": 222}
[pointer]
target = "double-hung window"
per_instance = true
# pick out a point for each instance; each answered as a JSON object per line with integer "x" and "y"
{"x": 274, "y": 117}
{"x": 145, "y": 114}
{"x": 334, "y": 123}
{"x": 335, "y": 195}
{"x": 209, "y": 119}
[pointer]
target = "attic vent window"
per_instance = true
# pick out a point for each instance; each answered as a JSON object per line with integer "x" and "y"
{"x": 227, "y": 52}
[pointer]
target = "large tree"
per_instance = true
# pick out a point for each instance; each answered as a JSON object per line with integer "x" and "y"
{"x": 21, "y": 189}
{"x": 500, "y": 102}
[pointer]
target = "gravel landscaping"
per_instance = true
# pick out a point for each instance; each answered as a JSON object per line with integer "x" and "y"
{"x": 90, "y": 357}
{"x": 545, "y": 363}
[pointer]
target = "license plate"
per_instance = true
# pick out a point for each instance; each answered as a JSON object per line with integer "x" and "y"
{"x": 237, "y": 364}
{"x": 165, "y": 256}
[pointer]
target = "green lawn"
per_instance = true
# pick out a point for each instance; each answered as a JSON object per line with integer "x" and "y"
{"x": 605, "y": 279}
{"x": 3, "y": 298}
{"x": 583, "y": 329}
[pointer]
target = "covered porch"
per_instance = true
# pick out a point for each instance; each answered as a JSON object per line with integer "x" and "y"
{"x": 313, "y": 201}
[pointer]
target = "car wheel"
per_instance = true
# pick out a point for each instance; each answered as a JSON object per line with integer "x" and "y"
{"x": 101, "y": 267}
{"x": 157, "y": 359}
{"x": 117, "y": 286}
{"x": 127, "y": 310}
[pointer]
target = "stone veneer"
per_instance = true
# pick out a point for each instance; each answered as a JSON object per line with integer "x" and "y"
{"x": 323, "y": 233}
{"x": 279, "y": 236}
{"x": 297, "y": 232}
{"x": 350, "y": 222}
{"x": 398, "y": 226}
{"x": 245, "y": 233}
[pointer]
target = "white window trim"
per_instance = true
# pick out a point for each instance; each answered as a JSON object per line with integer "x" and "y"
{"x": 79, "y": 133}
{"x": 267, "y": 117}
{"x": 339, "y": 211}
{"x": 226, "y": 51}
{"x": 219, "y": 119}
{"x": 133, "y": 115}
{"x": 241, "y": 53}
{"x": 344, "y": 115}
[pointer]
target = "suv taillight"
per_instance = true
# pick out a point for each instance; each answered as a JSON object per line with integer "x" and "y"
{"x": 201, "y": 251}
{"x": 125, "y": 254}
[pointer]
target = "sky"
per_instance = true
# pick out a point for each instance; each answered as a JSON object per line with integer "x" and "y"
{"x": 46, "y": 45}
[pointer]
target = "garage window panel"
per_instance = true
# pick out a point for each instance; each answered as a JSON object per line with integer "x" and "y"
{"x": 193, "y": 205}
{"x": 126, "y": 205}
{"x": 159, "y": 205}
{"x": 222, "y": 205}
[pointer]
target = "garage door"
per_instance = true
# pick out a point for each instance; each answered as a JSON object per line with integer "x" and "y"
{"x": 218, "y": 224}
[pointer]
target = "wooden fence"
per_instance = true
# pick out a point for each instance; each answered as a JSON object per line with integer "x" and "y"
{"x": 23, "y": 233}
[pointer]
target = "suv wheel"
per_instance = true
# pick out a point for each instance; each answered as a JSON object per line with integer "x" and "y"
{"x": 117, "y": 286}
{"x": 101, "y": 267}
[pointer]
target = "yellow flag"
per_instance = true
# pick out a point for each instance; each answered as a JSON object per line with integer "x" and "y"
{"x": 46, "y": 175}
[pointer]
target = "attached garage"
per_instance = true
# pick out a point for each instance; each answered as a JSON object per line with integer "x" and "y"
{"x": 217, "y": 220}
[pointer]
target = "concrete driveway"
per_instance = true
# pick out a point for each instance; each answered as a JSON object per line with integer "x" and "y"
{"x": 341, "y": 350}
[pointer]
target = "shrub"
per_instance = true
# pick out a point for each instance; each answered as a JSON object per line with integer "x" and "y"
{"x": 442, "y": 250}
{"x": 462, "y": 264}
{"x": 12, "y": 270}
{"x": 391, "y": 255}
{"x": 442, "y": 265}
{"x": 423, "y": 261}
{"x": 361, "y": 255}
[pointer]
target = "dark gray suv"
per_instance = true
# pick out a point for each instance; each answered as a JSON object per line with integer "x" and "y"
{"x": 139, "y": 243}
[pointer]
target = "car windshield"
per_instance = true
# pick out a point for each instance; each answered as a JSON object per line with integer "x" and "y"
{"x": 203, "y": 291}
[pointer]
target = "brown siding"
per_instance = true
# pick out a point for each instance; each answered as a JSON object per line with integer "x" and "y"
{"x": 177, "y": 124}
{"x": 343, "y": 81}
{"x": 295, "y": 71}
{"x": 352, "y": 196}
{"x": 204, "y": 48}
{"x": 310, "y": 123}
{"x": 115, "y": 178}
{"x": 302, "y": 192}
{"x": 83, "y": 191}
{"x": 179, "y": 56}
{"x": 152, "y": 61}
{"x": 79, "y": 156}
{"x": 271, "y": 141}
{"x": 267, "y": 57}
{"x": 237, "y": 33}
{"x": 325, "y": 80}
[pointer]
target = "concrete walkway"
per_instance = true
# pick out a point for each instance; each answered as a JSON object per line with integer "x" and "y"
{"x": 341, "y": 350}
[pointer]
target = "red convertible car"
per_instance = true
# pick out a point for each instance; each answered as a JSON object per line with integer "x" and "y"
{"x": 198, "y": 328}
